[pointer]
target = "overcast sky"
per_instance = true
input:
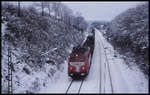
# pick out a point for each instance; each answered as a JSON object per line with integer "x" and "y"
{"x": 101, "y": 10}
{"x": 105, "y": 11}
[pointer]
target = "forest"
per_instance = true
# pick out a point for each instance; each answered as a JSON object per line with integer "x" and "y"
{"x": 129, "y": 34}
{"x": 39, "y": 34}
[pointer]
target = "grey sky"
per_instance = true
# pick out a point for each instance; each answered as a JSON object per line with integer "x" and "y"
{"x": 97, "y": 10}
{"x": 100, "y": 10}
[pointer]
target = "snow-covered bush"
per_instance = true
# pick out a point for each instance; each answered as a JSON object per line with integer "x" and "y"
{"x": 35, "y": 38}
{"x": 129, "y": 31}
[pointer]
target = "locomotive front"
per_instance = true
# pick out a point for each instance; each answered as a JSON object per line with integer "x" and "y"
{"x": 78, "y": 63}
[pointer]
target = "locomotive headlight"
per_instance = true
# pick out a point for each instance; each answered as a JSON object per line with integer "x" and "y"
{"x": 71, "y": 74}
{"x": 82, "y": 74}
{"x": 83, "y": 68}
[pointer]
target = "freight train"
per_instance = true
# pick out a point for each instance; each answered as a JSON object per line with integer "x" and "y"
{"x": 79, "y": 61}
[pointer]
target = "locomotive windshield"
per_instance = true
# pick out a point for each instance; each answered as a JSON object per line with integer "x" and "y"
{"x": 81, "y": 59}
{"x": 72, "y": 59}
{"x": 80, "y": 50}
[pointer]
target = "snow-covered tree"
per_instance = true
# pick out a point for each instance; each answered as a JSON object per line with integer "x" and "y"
{"x": 129, "y": 31}
{"x": 38, "y": 37}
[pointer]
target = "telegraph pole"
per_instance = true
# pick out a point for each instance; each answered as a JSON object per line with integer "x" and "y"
{"x": 9, "y": 72}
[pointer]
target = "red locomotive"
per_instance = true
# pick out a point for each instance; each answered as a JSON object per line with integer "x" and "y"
{"x": 79, "y": 63}
{"x": 79, "y": 60}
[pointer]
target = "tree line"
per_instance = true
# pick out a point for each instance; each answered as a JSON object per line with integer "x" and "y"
{"x": 129, "y": 32}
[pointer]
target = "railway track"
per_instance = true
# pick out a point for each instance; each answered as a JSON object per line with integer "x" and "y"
{"x": 79, "y": 83}
{"x": 107, "y": 63}
{"x": 100, "y": 88}
{"x": 69, "y": 86}
{"x": 74, "y": 86}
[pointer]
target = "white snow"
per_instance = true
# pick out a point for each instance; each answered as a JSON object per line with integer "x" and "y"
{"x": 124, "y": 79}
{"x": 106, "y": 71}
{"x": 3, "y": 28}
{"x": 60, "y": 84}
{"x": 49, "y": 51}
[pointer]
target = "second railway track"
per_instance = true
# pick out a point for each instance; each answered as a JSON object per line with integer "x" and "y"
{"x": 107, "y": 63}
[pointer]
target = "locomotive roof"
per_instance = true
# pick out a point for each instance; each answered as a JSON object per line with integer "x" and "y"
{"x": 80, "y": 50}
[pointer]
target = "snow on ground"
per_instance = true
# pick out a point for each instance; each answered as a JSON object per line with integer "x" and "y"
{"x": 3, "y": 28}
{"x": 60, "y": 84}
{"x": 124, "y": 79}
{"x": 4, "y": 70}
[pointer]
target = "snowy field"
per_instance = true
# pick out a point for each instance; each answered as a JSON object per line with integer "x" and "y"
{"x": 108, "y": 74}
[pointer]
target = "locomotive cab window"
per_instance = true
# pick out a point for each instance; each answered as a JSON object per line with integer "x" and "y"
{"x": 72, "y": 59}
{"x": 81, "y": 59}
